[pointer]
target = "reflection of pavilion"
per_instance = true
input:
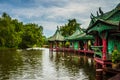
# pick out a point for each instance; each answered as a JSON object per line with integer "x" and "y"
{"x": 74, "y": 65}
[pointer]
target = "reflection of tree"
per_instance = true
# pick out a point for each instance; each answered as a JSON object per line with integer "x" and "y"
{"x": 14, "y": 63}
{"x": 10, "y": 60}
{"x": 32, "y": 58}
{"x": 64, "y": 59}
{"x": 89, "y": 68}
{"x": 51, "y": 55}
{"x": 81, "y": 61}
{"x": 73, "y": 64}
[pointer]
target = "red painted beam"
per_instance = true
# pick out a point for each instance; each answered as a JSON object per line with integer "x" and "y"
{"x": 100, "y": 61}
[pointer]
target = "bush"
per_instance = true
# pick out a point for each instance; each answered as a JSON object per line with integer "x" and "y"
{"x": 67, "y": 44}
{"x": 115, "y": 56}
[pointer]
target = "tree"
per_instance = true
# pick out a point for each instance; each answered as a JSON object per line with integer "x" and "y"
{"x": 14, "y": 34}
{"x": 69, "y": 28}
{"x": 33, "y": 35}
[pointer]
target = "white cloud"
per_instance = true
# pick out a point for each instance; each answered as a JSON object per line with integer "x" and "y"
{"x": 50, "y": 13}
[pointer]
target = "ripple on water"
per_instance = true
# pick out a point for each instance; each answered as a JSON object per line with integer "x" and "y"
{"x": 40, "y": 65}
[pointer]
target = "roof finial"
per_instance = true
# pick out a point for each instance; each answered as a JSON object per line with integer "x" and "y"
{"x": 118, "y": 6}
{"x": 119, "y": 25}
{"x": 92, "y": 16}
{"x": 97, "y": 13}
{"x": 57, "y": 28}
{"x": 100, "y": 11}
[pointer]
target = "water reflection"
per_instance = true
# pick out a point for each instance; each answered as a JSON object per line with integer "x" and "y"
{"x": 75, "y": 67}
{"x": 44, "y": 65}
{"x": 10, "y": 60}
{"x": 15, "y": 65}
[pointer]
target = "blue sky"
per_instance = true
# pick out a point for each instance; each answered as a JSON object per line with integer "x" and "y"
{"x": 53, "y": 13}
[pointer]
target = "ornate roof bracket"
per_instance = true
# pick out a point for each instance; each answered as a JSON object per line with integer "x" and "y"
{"x": 119, "y": 26}
{"x": 97, "y": 13}
{"x": 100, "y": 11}
{"x": 92, "y": 16}
{"x": 118, "y": 6}
{"x": 103, "y": 35}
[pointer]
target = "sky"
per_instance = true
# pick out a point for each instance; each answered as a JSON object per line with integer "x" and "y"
{"x": 53, "y": 13}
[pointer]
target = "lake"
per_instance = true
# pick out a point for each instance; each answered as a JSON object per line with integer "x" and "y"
{"x": 45, "y": 65}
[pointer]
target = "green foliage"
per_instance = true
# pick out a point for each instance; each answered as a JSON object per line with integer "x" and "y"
{"x": 69, "y": 28}
{"x": 32, "y": 35}
{"x": 115, "y": 56}
{"x": 67, "y": 44}
{"x": 14, "y": 34}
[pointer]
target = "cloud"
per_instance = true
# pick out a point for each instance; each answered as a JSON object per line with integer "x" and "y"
{"x": 53, "y": 13}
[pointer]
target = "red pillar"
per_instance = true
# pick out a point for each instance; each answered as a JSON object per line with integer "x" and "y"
{"x": 50, "y": 45}
{"x": 85, "y": 46}
{"x": 78, "y": 44}
{"x": 73, "y": 45}
{"x": 57, "y": 43}
{"x": 63, "y": 46}
{"x": 98, "y": 41}
{"x": 104, "y": 51}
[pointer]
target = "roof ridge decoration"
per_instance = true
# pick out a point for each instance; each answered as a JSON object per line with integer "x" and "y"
{"x": 78, "y": 31}
{"x": 97, "y": 13}
{"x": 118, "y": 6}
{"x": 100, "y": 11}
{"x": 92, "y": 16}
{"x": 57, "y": 36}
{"x": 102, "y": 15}
{"x": 105, "y": 17}
{"x": 113, "y": 11}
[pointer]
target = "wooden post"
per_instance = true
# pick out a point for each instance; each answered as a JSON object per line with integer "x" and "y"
{"x": 63, "y": 46}
{"x": 96, "y": 41}
{"x": 86, "y": 45}
{"x": 99, "y": 74}
{"x": 98, "y": 66}
{"x": 56, "y": 46}
{"x": 73, "y": 45}
{"x": 51, "y": 46}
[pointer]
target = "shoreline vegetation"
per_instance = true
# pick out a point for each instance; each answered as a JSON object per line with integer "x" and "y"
{"x": 15, "y": 34}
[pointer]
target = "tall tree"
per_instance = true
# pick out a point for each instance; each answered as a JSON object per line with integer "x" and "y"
{"x": 32, "y": 35}
{"x": 14, "y": 34}
{"x": 69, "y": 28}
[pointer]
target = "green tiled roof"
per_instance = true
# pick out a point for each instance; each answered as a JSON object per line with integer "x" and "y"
{"x": 112, "y": 25}
{"x": 104, "y": 18}
{"x": 107, "y": 15}
{"x": 78, "y": 31}
{"x": 57, "y": 36}
{"x": 84, "y": 37}
{"x": 118, "y": 6}
{"x": 79, "y": 35}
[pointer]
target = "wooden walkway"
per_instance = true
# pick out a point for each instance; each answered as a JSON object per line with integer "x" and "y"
{"x": 72, "y": 50}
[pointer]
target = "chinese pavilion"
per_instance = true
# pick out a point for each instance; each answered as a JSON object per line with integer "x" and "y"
{"x": 55, "y": 40}
{"x": 105, "y": 27}
{"x": 79, "y": 40}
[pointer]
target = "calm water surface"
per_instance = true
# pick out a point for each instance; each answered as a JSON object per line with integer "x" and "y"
{"x": 44, "y": 65}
